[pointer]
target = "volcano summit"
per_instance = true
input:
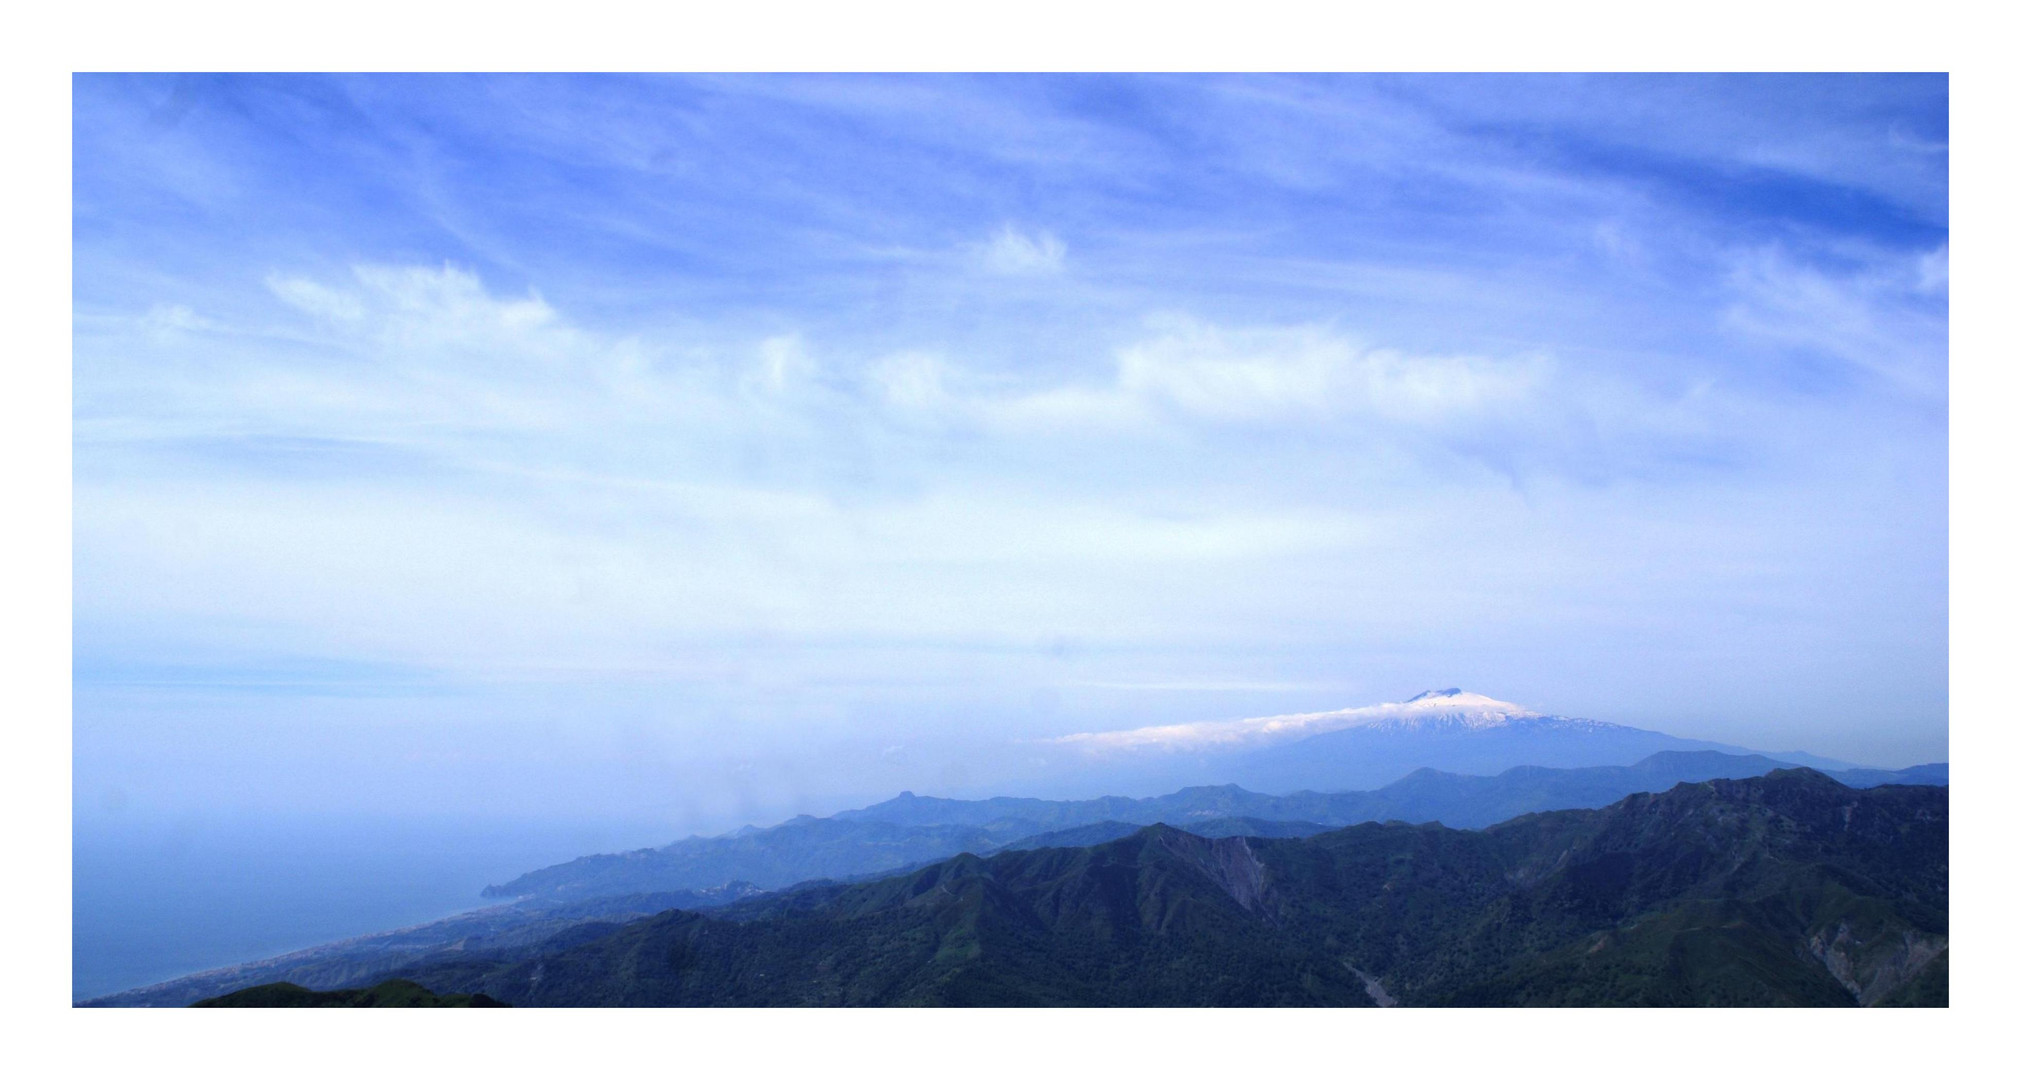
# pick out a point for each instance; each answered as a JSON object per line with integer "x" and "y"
{"x": 1452, "y": 730}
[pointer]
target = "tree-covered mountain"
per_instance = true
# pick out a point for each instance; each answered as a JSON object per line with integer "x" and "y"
{"x": 910, "y": 830}
{"x": 1788, "y": 889}
{"x": 391, "y": 994}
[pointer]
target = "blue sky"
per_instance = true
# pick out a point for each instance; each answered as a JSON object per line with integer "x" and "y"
{"x": 697, "y": 447}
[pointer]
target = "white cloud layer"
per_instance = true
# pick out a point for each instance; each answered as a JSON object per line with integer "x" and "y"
{"x": 478, "y": 483}
{"x": 1474, "y": 710}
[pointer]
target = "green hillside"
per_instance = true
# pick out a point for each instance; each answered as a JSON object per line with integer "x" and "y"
{"x": 1790, "y": 889}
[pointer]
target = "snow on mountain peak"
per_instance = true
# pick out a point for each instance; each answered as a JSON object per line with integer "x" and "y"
{"x": 1452, "y": 708}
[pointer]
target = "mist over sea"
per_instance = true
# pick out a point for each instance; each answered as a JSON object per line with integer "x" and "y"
{"x": 153, "y": 900}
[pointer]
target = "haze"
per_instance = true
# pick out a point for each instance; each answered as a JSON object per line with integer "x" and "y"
{"x": 694, "y": 451}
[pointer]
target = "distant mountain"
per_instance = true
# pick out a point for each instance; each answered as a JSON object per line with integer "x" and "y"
{"x": 1938, "y": 773}
{"x": 1786, "y": 889}
{"x": 392, "y": 994}
{"x": 1449, "y": 730}
{"x": 799, "y": 850}
{"x": 911, "y": 830}
{"x": 1477, "y": 801}
{"x": 1103, "y": 832}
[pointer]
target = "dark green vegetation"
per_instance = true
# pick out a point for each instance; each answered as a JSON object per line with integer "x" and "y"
{"x": 1789, "y": 889}
{"x": 391, "y": 994}
{"x": 909, "y": 831}
{"x": 904, "y": 834}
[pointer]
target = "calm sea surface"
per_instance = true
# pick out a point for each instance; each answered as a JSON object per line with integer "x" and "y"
{"x": 151, "y": 901}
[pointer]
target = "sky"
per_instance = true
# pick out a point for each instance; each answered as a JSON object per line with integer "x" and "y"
{"x": 700, "y": 449}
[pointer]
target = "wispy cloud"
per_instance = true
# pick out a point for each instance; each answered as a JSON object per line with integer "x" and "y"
{"x": 831, "y": 401}
{"x": 524, "y": 462}
{"x": 317, "y": 299}
{"x": 1014, "y": 252}
{"x": 1888, "y": 321}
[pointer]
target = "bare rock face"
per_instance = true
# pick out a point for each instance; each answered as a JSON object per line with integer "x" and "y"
{"x": 1373, "y": 985}
{"x": 1875, "y": 965}
{"x": 1228, "y": 861}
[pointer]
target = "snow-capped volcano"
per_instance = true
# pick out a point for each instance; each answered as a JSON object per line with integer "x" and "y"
{"x": 1453, "y": 709}
{"x": 1350, "y": 749}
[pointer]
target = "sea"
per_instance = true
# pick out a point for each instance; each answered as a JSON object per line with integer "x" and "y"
{"x": 153, "y": 900}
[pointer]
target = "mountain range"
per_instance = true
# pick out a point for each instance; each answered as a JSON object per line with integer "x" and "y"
{"x": 754, "y": 874}
{"x": 1785, "y": 889}
{"x": 910, "y": 829}
{"x": 1210, "y": 813}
